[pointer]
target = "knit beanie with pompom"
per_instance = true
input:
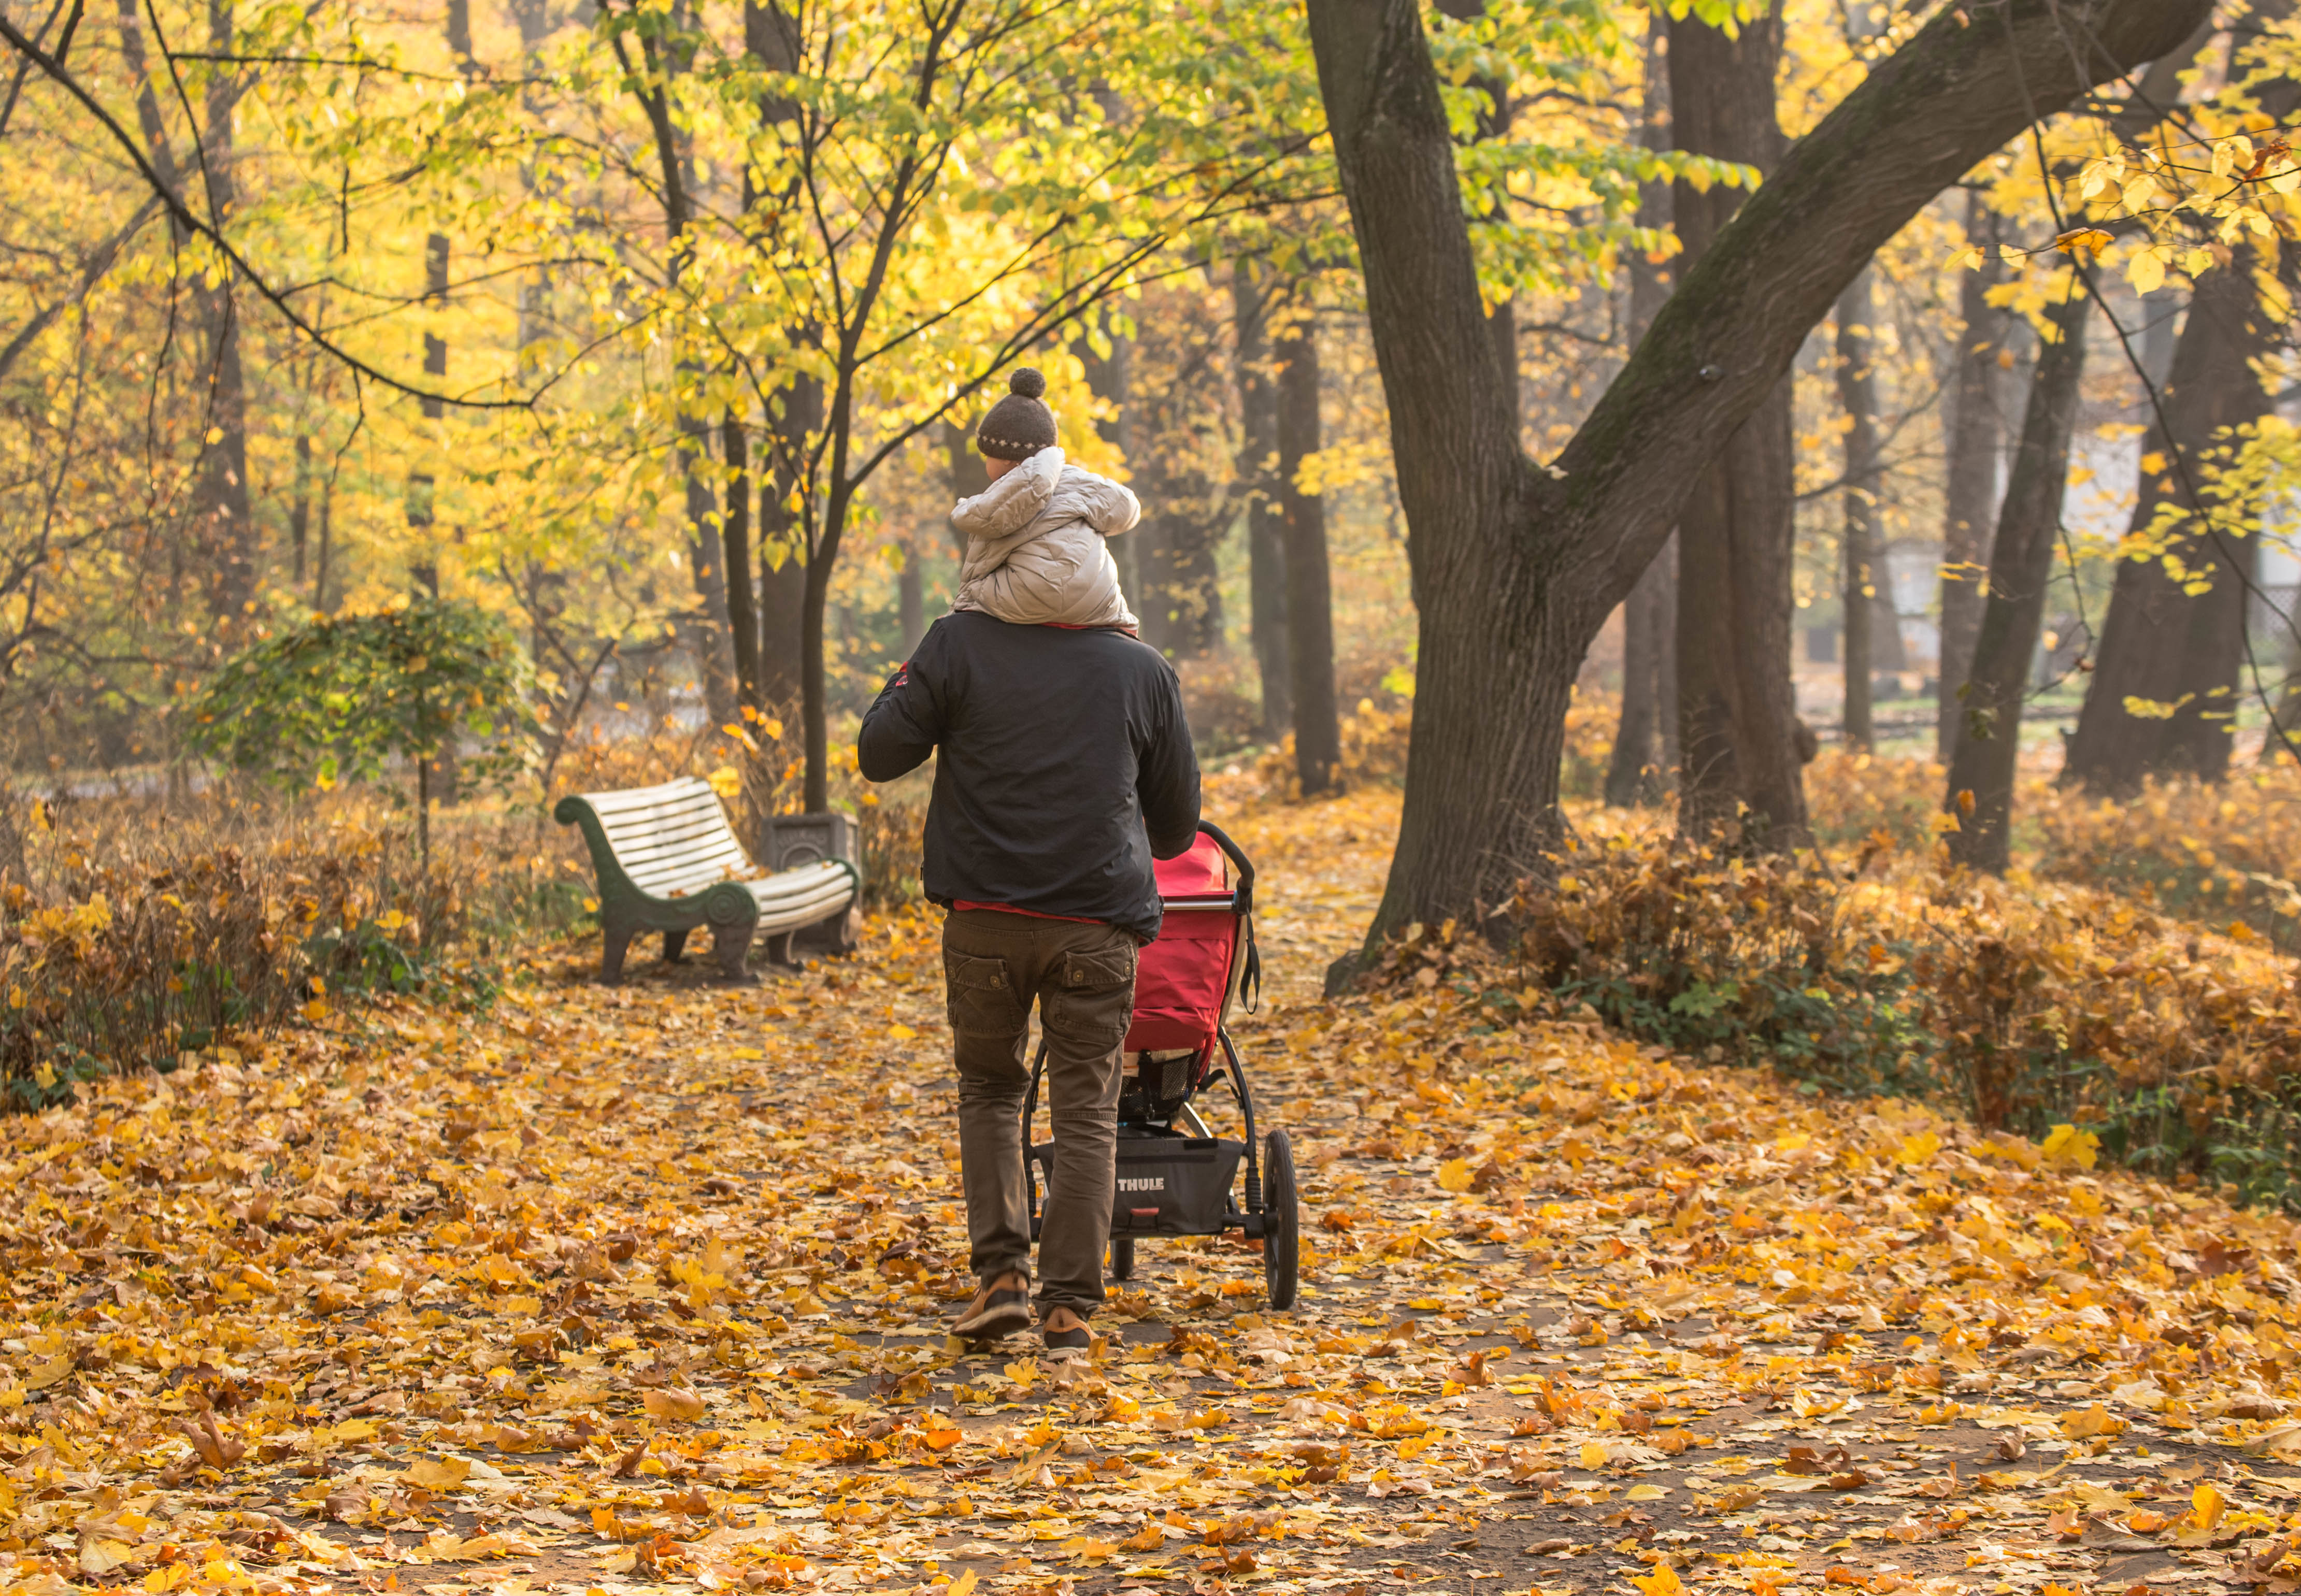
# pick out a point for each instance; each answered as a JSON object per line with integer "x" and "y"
{"x": 1020, "y": 424}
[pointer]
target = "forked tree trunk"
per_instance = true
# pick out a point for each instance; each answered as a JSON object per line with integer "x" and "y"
{"x": 1988, "y": 745}
{"x": 1258, "y": 485}
{"x": 1516, "y": 568}
{"x": 1310, "y": 597}
{"x": 1737, "y": 531}
{"x": 1970, "y": 493}
{"x": 2159, "y": 642}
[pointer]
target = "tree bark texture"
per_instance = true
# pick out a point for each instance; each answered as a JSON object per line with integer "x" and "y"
{"x": 1309, "y": 599}
{"x": 1973, "y": 428}
{"x": 1515, "y": 569}
{"x": 1737, "y": 531}
{"x": 1258, "y": 488}
{"x": 2020, "y": 566}
{"x": 2159, "y": 643}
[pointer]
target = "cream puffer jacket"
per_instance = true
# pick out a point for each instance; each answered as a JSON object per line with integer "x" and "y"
{"x": 1034, "y": 545}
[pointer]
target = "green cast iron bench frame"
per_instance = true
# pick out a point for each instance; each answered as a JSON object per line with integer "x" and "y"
{"x": 668, "y": 862}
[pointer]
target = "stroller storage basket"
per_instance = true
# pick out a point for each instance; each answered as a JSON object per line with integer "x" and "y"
{"x": 1167, "y": 1185}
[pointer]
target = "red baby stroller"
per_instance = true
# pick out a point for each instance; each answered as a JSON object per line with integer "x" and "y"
{"x": 1177, "y": 1181}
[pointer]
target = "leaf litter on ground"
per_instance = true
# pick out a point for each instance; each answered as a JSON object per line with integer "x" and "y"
{"x": 625, "y": 1288}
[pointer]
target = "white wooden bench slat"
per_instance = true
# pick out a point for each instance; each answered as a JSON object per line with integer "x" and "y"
{"x": 683, "y": 883}
{"x": 670, "y": 834}
{"x": 605, "y": 803}
{"x": 643, "y": 823}
{"x": 699, "y": 851}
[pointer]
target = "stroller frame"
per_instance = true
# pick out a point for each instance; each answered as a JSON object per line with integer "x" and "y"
{"x": 1192, "y": 1171}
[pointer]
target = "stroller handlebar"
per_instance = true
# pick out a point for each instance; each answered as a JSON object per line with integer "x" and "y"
{"x": 1243, "y": 900}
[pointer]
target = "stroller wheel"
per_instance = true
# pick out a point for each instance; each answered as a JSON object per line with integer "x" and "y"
{"x": 1282, "y": 1229}
{"x": 1122, "y": 1257}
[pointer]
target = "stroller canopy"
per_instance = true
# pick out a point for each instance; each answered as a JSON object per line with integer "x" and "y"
{"x": 1183, "y": 978}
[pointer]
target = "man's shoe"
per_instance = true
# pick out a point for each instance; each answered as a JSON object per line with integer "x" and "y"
{"x": 1074, "y": 1340}
{"x": 996, "y": 1311}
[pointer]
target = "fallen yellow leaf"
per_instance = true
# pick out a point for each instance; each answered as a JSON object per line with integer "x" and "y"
{"x": 670, "y": 1402}
{"x": 438, "y": 1474}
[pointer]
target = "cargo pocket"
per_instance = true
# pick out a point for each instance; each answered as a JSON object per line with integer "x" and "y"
{"x": 1091, "y": 996}
{"x": 980, "y": 993}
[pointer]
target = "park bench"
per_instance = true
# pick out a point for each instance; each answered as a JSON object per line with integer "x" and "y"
{"x": 666, "y": 861}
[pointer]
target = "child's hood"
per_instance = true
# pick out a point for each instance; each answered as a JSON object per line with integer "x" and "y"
{"x": 1043, "y": 488}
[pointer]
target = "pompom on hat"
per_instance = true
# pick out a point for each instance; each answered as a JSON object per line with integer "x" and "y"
{"x": 1019, "y": 425}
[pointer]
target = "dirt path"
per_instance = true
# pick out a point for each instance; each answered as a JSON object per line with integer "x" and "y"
{"x": 617, "y": 1289}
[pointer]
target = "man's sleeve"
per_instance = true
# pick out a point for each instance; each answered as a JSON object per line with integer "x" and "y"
{"x": 1167, "y": 787}
{"x": 904, "y": 723}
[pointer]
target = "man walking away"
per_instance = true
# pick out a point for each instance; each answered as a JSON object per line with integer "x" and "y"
{"x": 1066, "y": 767}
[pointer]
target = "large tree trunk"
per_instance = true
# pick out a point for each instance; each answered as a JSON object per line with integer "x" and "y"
{"x": 1969, "y": 492}
{"x": 1516, "y": 568}
{"x": 1863, "y": 580}
{"x": 1988, "y": 746}
{"x": 1737, "y": 531}
{"x": 1645, "y": 741}
{"x": 2158, "y": 642}
{"x": 1257, "y": 486}
{"x": 1310, "y": 599}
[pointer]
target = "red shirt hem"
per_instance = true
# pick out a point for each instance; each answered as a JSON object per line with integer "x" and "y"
{"x": 1009, "y": 908}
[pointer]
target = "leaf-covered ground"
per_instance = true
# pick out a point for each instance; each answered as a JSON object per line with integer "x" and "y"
{"x": 616, "y": 1289}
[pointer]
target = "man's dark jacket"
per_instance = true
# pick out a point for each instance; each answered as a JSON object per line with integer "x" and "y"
{"x": 1066, "y": 766}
